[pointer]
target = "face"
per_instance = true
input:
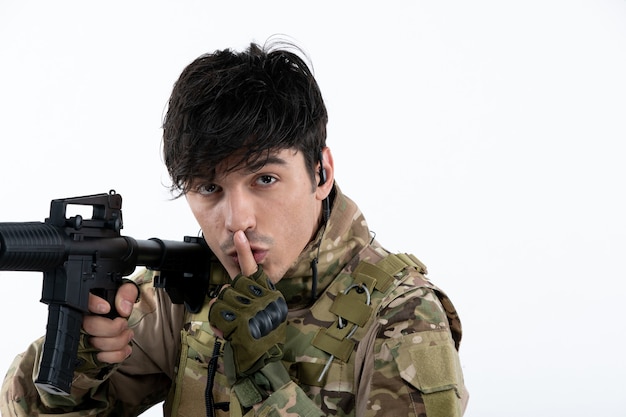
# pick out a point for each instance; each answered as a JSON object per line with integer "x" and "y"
{"x": 276, "y": 206}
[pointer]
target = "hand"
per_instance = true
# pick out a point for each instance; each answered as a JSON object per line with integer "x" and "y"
{"x": 247, "y": 264}
{"x": 111, "y": 337}
{"x": 250, "y": 314}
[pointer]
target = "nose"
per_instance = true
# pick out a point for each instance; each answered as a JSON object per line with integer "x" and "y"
{"x": 239, "y": 211}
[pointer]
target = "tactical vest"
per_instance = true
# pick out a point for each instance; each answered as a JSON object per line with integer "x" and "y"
{"x": 328, "y": 346}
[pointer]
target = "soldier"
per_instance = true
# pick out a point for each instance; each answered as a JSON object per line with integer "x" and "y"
{"x": 306, "y": 314}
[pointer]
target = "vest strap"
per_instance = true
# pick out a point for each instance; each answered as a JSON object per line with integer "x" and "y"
{"x": 351, "y": 307}
{"x": 382, "y": 278}
{"x": 356, "y": 304}
{"x": 340, "y": 349}
{"x": 393, "y": 264}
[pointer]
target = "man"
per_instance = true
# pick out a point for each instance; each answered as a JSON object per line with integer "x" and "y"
{"x": 306, "y": 315}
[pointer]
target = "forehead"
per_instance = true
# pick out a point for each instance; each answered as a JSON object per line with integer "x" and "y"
{"x": 280, "y": 157}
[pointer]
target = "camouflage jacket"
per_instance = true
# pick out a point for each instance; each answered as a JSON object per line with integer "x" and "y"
{"x": 393, "y": 337}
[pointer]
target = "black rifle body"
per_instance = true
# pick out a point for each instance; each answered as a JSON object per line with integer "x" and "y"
{"x": 81, "y": 256}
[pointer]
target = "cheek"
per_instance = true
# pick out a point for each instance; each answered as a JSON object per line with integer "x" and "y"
{"x": 298, "y": 223}
{"x": 194, "y": 205}
{"x": 203, "y": 221}
{"x": 206, "y": 221}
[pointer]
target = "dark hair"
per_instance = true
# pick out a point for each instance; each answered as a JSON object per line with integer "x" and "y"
{"x": 243, "y": 104}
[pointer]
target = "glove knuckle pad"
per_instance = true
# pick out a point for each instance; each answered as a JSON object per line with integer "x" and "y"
{"x": 251, "y": 313}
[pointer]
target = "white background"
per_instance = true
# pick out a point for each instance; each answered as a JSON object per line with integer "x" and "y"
{"x": 486, "y": 137}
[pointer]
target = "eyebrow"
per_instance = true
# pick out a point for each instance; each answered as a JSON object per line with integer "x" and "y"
{"x": 250, "y": 168}
{"x": 259, "y": 163}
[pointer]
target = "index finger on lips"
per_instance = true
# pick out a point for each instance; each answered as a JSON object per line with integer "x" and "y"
{"x": 247, "y": 264}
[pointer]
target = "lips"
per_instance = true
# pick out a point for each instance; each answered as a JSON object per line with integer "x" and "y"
{"x": 258, "y": 254}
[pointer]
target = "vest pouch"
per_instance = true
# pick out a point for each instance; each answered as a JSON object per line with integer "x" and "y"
{"x": 430, "y": 363}
{"x": 189, "y": 397}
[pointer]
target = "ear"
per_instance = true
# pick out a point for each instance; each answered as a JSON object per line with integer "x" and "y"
{"x": 326, "y": 171}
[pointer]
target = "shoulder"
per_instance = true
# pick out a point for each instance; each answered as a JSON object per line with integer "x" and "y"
{"x": 414, "y": 297}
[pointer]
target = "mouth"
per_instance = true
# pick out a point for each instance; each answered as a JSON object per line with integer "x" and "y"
{"x": 258, "y": 254}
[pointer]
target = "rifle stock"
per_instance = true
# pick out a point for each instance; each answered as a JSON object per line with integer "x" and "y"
{"x": 79, "y": 256}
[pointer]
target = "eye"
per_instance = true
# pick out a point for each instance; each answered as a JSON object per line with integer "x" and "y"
{"x": 207, "y": 189}
{"x": 266, "y": 180}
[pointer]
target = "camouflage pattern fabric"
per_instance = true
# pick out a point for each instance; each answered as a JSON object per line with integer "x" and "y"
{"x": 403, "y": 359}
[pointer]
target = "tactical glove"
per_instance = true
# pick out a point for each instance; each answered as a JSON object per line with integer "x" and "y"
{"x": 251, "y": 314}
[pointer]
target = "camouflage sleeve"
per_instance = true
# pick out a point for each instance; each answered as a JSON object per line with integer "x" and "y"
{"x": 20, "y": 397}
{"x": 416, "y": 365}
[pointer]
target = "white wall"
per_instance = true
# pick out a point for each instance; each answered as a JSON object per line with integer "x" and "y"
{"x": 498, "y": 126}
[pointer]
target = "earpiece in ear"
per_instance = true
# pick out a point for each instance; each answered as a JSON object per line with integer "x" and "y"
{"x": 323, "y": 179}
{"x": 322, "y": 171}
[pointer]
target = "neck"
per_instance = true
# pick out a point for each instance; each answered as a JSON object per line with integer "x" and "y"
{"x": 335, "y": 244}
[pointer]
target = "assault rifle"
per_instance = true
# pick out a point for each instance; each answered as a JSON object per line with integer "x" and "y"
{"x": 79, "y": 256}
